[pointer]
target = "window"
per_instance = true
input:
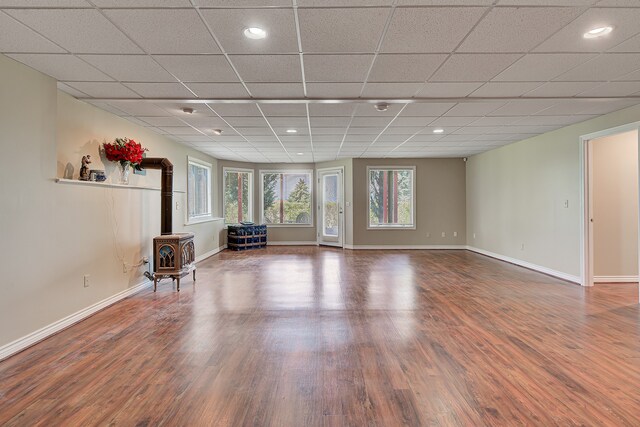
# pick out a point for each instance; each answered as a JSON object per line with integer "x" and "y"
{"x": 198, "y": 190}
{"x": 391, "y": 197}
{"x": 286, "y": 197}
{"x": 238, "y": 195}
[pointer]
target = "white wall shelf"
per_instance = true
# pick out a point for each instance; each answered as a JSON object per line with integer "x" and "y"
{"x": 107, "y": 184}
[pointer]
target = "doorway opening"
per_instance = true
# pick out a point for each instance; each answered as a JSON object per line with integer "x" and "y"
{"x": 331, "y": 207}
{"x": 610, "y": 205}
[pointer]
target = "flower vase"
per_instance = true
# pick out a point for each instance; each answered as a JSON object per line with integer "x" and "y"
{"x": 124, "y": 173}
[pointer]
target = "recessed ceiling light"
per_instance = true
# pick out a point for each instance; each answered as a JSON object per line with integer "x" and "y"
{"x": 217, "y": 131}
{"x": 292, "y": 131}
{"x": 188, "y": 110}
{"x": 300, "y": 154}
{"x": 597, "y": 32}
{"x": 439, "y": 130}
{"x": 255, "y": 33}
{"x": 383, "y": 106}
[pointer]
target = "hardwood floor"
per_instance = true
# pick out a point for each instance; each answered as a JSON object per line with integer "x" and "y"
{"x": 312, "y": 336}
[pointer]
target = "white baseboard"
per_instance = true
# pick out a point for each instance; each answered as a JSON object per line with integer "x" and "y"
{"x": 615, "y": 279}
{"x": 292, "y": 243}
{"x": 405, "y": 247}
{"x": 39, "y": 335}
{"x": 525, "y": 264}
{"x": 210, "y": 253}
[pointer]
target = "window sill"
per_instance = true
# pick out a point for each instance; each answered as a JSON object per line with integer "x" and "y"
{"x": 391, "y": 227}
{"x": 203, "y": 220}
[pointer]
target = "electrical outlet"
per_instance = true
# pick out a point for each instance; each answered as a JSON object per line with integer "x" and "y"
{"x": 455, "y": 234}
{"x": 177, "y": 206}
{"x": 86, "y": 280}
{"x": 566, "y": 203}
{"x": 444, "y": 234}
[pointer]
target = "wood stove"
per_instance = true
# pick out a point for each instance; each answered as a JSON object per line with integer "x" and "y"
{"x": 174, "y": 254}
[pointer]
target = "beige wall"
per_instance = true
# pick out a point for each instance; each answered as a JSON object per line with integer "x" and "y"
{"x": 615, "y": 205}
{"x": 440, "y": 203}
{"x": 56, "y": 233}
{"x": 516, "y": 196}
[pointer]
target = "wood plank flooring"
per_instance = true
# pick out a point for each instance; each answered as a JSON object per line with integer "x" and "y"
{"x": 306, "y": 336}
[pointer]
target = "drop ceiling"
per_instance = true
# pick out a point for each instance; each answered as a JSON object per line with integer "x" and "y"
{"x": 487, "y": 72}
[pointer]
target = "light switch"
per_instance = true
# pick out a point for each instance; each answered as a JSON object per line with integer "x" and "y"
{"x": 566, "y": 203}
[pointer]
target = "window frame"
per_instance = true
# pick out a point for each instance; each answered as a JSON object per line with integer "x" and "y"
{"x": 209, "y": 216}
{"x": 251, "y": 192}
{"x": 413, "y": 198}
{"x": 311, "y": 223}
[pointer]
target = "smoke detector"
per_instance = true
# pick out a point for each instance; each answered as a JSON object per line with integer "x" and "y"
{"x": 383, "y": 106}
{"x": 188, "y": 110}
{"x": 217, "y": 131}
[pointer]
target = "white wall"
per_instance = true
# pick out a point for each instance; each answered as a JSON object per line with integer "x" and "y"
{"x": 52, "y": 233}
{"x": 516, "y": 196}
{"x": 615, "y": 206}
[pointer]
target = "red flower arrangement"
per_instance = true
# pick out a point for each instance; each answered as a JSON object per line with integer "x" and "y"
{"x": 124, "y": 150}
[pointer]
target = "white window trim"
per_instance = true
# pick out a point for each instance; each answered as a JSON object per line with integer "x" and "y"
{"x": 224, "y": 186}
{"x": 209, "y": 216}
{"x": 413, "y": 199}
{"x": 311, "y": 190}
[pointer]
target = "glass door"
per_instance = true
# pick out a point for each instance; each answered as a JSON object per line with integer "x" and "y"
{"x": 330, "y": 210}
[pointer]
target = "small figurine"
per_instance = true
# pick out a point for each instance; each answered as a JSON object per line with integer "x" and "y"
{"x": 84, "y": 170}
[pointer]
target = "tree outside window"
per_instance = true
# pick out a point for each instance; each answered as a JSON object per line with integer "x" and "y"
{"x": 238, "y": 195}
{"x": 286, "y": 197}
{"x": 391, "y": 197}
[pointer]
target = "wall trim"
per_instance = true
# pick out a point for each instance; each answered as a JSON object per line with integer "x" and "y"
{"x": 35, "y": 337}
{"x": 526, "y": 264}
{"x": 292, "y": 243}
{"x": 615, "y": 279}
{"x": 406, "y": 247}
{"x": 211, "y": 253}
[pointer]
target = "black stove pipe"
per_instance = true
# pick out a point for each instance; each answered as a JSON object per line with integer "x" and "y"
{"x": 166, "y": 190}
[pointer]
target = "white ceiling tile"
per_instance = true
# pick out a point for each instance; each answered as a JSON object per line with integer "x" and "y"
{"x": 176, "y": 109}
{"x": 77, "y": 30}
{"x": 138, "y": 108}
{"x": 413, "y": 121}
{"x": 246, "y": 121}
{"x": 630, "y": 45}
{"x": 284, "y": 110}
{"x": 333, "y": 90}
{"x": 551, "y": 120}
{"x": 605, "y": 67}
{"x": 16, "y": 37}
{"x": 159, "y": 31}
{"x": 340, "y": 3}
{"x": 268, "y": 68}
{"x": 505, "y": 89}
{"x": 474, "y": 108}
{"x": 288, "y": 122}
{"x": 161, "y": 121}
{"x": 136, "y": 121}
{"x": 129, "y": 68}
{"x": 142, "y": 3}
{"x": 425, "y": 30}
{"x": 369, "y": 109}
{"x": 473, "y": 67}
{"x": 569, "y": 39}
{"x": 180, "y": 130}
{"x": 523, "y": 107}
{"x": 245, "y": 110}
{"x": 581, "y": 106}
{"x": 390, "y": 90}
{"x": 517, "y": 29}
{"x": 447, "y": 90}
{"x": 633, "y": 76}
{"x": 327, "y": 121}
{"x": 44, "y": 3}
{"x": 160, "y": 90}
{"x": 336, "y": 68}
{"x": 104, "y": 89}
{"x": 425, "y": 109}
{"x": 453, "y": 121}
{"x": 369, "y": 130}
{"x": 61, "y": 67}
{"x": 276, "y": 90}
{"x": 264, "y": 131}
{"x": 559, "y": 89}
{"x": 228, "y": 26}
{"x": 543, "y": 67}
{"x": 370, "y": 121}
{"x": 402, "y": 130}
{"x": 613, "y": 89}
{"x": 496, "y": 121}
{"x": 198, "y": 68}
{"x": 71, "y": 91}
{"x": 332, "y": 109}
{"x": 617, "y": 3}
{"x": 404, "y": 68}
{"x": 218, "y": 90}
{"x": 341, "y": 30}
